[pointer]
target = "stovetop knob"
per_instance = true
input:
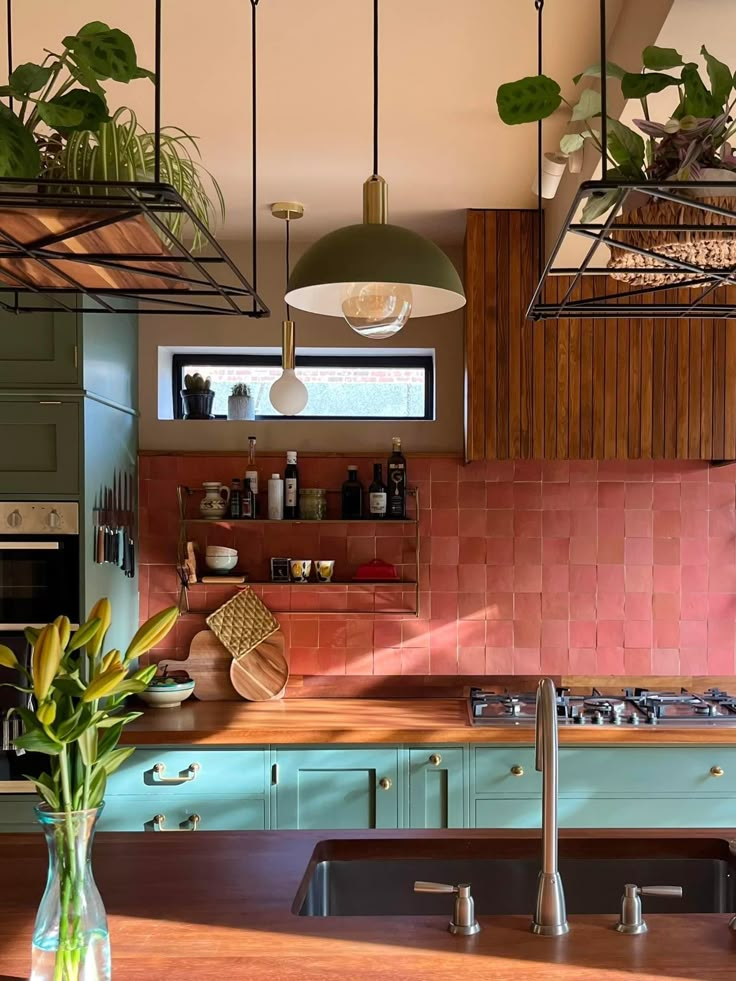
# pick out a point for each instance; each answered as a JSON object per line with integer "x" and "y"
{"x": 597, "y": 718}
{"x": 634, "y": 719}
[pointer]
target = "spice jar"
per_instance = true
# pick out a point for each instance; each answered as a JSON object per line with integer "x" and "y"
{"x": 312, "y": 503}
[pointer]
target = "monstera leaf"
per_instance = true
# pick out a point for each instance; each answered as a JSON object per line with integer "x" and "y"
{"x": 528, "y": 99}
{"x": 105, "y": 51}
{"x": 19, "y": 156}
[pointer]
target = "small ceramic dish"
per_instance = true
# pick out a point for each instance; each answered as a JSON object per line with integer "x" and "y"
{"x": 221, "y": 563}
{"x": 220, "y": 550}
{"x": 167, "y": 696}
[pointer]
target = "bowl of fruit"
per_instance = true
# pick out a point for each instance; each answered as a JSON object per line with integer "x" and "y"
{"x": 168, "y": 689}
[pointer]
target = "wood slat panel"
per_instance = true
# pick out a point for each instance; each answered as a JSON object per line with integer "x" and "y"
{"x": 659, "y": 328}
{"x": 516, "y": 318}
{"x": 529, "y": 227}
{"x": 695, "y": 378}
{"x": 610, "y": 371}
{"x": 729, "y": 434}
{"x": 503, "y": 331}
{"x": 623, "y": 371}
{"x": 719, "y": 390}
{"x": 683, "y": 384}
{"x": 489, "y": 342}
{"x": 563, "y": 388}
{"x": 586, "y": 378}
{"x": 706, "y": 392}
{"x": 670, "y": 385}
{"x": 475, "y": 320}
{"x": 634, "y": 420}
{"x": 550, "y": 386}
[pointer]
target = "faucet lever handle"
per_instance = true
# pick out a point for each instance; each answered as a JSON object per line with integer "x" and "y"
{"x": 463, "y": 920}
{"x": 632, "y": 921}
{"x": 434, "y": 887}
{"x": 673, "y": 891}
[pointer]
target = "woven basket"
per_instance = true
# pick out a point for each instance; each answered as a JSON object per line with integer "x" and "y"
{"x": 706, "y": 249}
{"x": 242, "y": 623}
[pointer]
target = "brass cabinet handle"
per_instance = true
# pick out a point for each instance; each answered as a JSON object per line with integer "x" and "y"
{"x": 385, "y": 783}
{"x": 160, "y": 819}
{"x": 435, "y": 759}
{"x": 517, "y": 771}
{"x": 716, "y": 771}
{"x": 159, "y": 769}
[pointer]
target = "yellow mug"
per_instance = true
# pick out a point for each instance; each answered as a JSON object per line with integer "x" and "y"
{"x": 324, "y": 569}
{"x": 300, "y": 569}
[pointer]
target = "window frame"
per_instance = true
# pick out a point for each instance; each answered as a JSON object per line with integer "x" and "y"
{"x": 199, "y": 359}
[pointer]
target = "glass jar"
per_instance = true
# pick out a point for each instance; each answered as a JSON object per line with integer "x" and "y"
{"x": 312, "y": 503}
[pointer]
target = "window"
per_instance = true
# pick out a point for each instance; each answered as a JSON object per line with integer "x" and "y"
{"x": 340, "y": 387}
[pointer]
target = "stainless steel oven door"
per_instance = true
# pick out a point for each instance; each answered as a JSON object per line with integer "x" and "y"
{"x": 39, "y": 580}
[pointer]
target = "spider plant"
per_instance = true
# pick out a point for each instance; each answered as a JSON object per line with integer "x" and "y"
{"x": 123, "y": 150}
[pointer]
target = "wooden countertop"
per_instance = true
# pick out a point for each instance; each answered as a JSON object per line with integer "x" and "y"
{"x": 362, "y": 720}
{"x": 207, "y": 906}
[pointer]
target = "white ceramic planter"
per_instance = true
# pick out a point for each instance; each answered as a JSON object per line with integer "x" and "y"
{"x": 240, "y": 408}
{"x": 553, "y": 167}
{"x": 715, "y": 174}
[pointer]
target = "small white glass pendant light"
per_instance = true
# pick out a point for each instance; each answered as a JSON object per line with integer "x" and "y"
{"x": 288, "y": 395}
{"x": 374, "y": 274}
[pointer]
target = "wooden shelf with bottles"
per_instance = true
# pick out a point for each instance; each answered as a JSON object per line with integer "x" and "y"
{"x": 407, "y": 583}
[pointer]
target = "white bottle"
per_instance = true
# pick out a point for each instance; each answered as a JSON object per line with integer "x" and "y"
{"x": 275, "y": 498}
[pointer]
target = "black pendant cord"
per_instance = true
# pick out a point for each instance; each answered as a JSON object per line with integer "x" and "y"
{"x": 9, "y": 28}
{"x": 288, "y": 262}
{"x": 254, "y": 142}
{"x": 604, "y": 92}
{"x": 375, "y": 88}
{"x": 539, "y": 7}
{"x": 157, "y": 98}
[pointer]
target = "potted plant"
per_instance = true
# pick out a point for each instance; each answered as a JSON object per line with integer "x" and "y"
{"x": 240, "y": 403}
{"x": 197, "y": 397}
{"x": 693, "y": 144}
{"x": 79, "y": 692}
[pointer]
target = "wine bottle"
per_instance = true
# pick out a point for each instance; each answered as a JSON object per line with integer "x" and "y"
{"x": 352, "y": 496}
{"x": 235, "y": 503}
{"x": 397, "y": 482}
{"x": 377, "y": 493}
{"x": 291, "y": 486}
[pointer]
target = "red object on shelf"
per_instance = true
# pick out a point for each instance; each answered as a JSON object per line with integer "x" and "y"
{"x": 376, "y": 571}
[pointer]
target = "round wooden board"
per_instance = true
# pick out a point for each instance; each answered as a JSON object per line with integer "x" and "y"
{"x": 262, "y": 673}
{"x": 209, "y": 665}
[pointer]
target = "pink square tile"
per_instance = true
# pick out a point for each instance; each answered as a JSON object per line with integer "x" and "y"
{"x": 667, "y": 496}
{"x": 554, "y": 550}
{"x": 583, "y": 550}
{"x": 471, "y": 633}
{"x": 721, "y": 661}
{"x": 500, "y": 494}
{"x": 473, "y": 578}
{"x": 443, "y": 661}
{"x": 638, "y": 551}
{"x": 528, "y": 579}
{"x": 582, "y": 606}
{"x": 472, "y": 494}
{"x": 610, "y": 633}
{"x": 414, "y": 633}
{"x": 667, "y": 524}
{"x": 693, "y": 551}
{"x": 527, "y": 497}
{"x": 415, "y": 660}
{"x": 693, "y": 633}
{"x": 499, "y": 524}
{"x": 583, "y": 522}
{"x": 471, "y": 606}
{"x": 555, "y": 497}
{"x": 528, "y": 524}
{"x": 444, "y": 469}
{"x": 527, "y": 633}
{"x": 611, "y": 522}
{"x": 502, "y": 552}
{"x": 528, "y": 551}
{"x": 444, "y": 606}
{"x": 638, "y": 524}
{"x": 694, "y": 524}
{"x": 556, "y": 578}
{"x": 721, "y": 523}
{"x": 554, "y": 660}
{"x": 721, "y": 633}
{"x": 472, "y": 471}
{"x": 556, "y": 470}
{"x": 638, "y": 578}
{"x": 610, "y": 660}
{"x": 692, "y": 495}
{"x": 555, "y": 633}
{"x": 499, "y": 660}
{"x": 528, "y": 606}
{"x": 446, "y": 551}
{"x": 583, "y": 578}
{"x": 583, "y": 495}
{"x": 473, "y": 523}
{"x": 667, "y": 579}
{"x": 721, "y": 550}
{"x": 303, "y": 660}
{"x": 499, "y": 606}
{"x": 331, "y": 660}
{"x": 610, "y": 579}
{"x": 610, "y": 606}
{"x": 500, "y": 578}
{"x": 499, "y": 633}
{"x": 583, "y": 470}
{"x": 725, "y": 474}
{"x": 637, "y": 660}
{"x": 583, "y": 633}
{"x": 471, "y": 660}
{"x": 582, "y": 661}
{"x": 472, "y": 551}
{"x": 721, "y": 606}
{"x": 666, "y": 662}
{"x": 444, "y": 494}
{"x": 445, "y": 522}
{"x": 718, "y": 496}
{"x": 358, "y": 662}
{"x": 666, "y": 634}
{"x": 500, "y": 470}
{"x": 722, "y": 578}
{"x": 527, "y": 661}
{"x": 556, "y": 524}
{"x": 693, "y": 660}
{"x": 527, "y": 470}
{"x": 637, "y": 633}
{"x": 386, "y": 633}
{"x": 694, "y": 470}
{"x": 555, "y": 606}
{"x": 611, "y": 495}
{"x": 638, "y": 606}
{"x": 694, "y": 606}
{"x": 666, "y": 551}
{"x": 305, "y": 633}
{"x": 610, "y": 550}
{"x": 444, "y": 578}
{"x": 443, "y": 635}
{"x": 638, "y": 495}
{"x": 666, "y": 606}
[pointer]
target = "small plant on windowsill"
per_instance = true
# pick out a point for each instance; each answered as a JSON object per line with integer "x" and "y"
{"x": 240, "y": 404}
{"x": 197, "y": 397}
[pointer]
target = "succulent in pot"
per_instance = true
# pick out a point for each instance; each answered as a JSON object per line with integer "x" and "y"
{"x": 240, "y": 403}
{"x": 197, "y": 397}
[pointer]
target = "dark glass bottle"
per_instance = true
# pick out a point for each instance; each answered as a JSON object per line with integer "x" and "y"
{"x": 251, "y": 474}
{"x": 352, "y": 496}
{"x": 397, "y": 482}
{"x": 236, "y": 499}
{"x": 291, "y": 486}
{"x": 248, "y": 501}
{"x": 377, "y": 495}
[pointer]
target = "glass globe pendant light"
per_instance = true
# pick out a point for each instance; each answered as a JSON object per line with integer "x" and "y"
{"x": 288, "y": 394}
{"x": 375, "y": 275}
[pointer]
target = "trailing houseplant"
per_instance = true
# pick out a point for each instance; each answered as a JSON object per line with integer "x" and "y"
{"x": 240, "y": 403}
{"x": 79, "y": 692}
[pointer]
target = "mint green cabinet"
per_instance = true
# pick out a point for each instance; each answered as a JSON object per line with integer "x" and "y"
{"x": 40, "y": 447}
{"x": 188, "y": 811}
{"x": 436, "y": 787}
{"x": 336, "y": 788}
{"x": 39, "y": 350}
{"x": 174, "y": 773}
{"x": 16, "y": 813}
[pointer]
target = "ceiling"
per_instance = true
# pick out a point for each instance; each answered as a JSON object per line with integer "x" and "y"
{"x": 443, "y": 148}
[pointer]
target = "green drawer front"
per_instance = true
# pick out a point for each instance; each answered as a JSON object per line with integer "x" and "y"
{"x": 38, "y": 349}
{"x": 641, "y": 770}
{"x": 216, "y": 772}
{"x": 16, "y": 813}
{"x": 40, "y": 442}
{"x": 215, "y": 813}
{"x": 495, "y": 766}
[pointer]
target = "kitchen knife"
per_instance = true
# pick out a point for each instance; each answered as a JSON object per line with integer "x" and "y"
{"x": 120, "y": 522}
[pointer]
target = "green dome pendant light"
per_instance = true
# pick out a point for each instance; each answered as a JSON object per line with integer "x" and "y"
{"x": 375, "y": 275}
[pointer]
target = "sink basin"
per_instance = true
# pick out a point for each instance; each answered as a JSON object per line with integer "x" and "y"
{"x": 376, "y": 877}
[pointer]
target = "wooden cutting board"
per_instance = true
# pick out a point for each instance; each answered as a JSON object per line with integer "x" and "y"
{"x": 262, "y": 674}
{"x": 209, "y": 665}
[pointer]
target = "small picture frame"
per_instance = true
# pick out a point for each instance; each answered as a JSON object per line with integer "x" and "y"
{"x": 280, "y": 570}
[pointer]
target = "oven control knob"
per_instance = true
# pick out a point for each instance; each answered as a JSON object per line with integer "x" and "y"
{"x": 54, "y": 519}
{"x": 15, "y": 519}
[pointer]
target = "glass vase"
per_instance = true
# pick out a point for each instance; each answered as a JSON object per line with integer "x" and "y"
{"x": 70, "y": 938}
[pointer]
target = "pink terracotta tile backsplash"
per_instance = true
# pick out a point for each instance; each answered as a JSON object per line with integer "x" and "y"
{"x": 568, "y": 567}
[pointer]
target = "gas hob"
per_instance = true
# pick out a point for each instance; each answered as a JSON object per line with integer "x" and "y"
{"x": 635, "y": 707}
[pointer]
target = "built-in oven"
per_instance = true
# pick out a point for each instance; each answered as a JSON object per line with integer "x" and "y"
{"x": 39, "y": 563}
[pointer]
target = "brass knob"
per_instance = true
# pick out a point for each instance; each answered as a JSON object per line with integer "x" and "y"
{"x": 716, "y": 771}
{"x": 435, "y": 759}
{"x": 517, "y": 771}
{"x": 385, "y": 783}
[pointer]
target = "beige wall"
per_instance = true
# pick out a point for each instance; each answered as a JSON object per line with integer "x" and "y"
{"x": 160, "y": 334}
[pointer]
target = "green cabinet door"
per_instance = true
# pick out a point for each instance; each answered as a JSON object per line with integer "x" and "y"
{"x": 40, "y": 447}
{"x": 436, "y": 788}
{"x": 327, "y": 788}
{"x": 38, "y": 350}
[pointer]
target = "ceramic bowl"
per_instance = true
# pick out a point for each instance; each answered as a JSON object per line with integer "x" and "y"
{"x": 220, "y": 550}
{"x": 221, "y": 563}
{"x": 167, "y": 696}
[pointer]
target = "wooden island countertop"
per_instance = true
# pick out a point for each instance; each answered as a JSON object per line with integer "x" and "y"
{"x": 217, "y": 905}
{"x": 415, "y": 721}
